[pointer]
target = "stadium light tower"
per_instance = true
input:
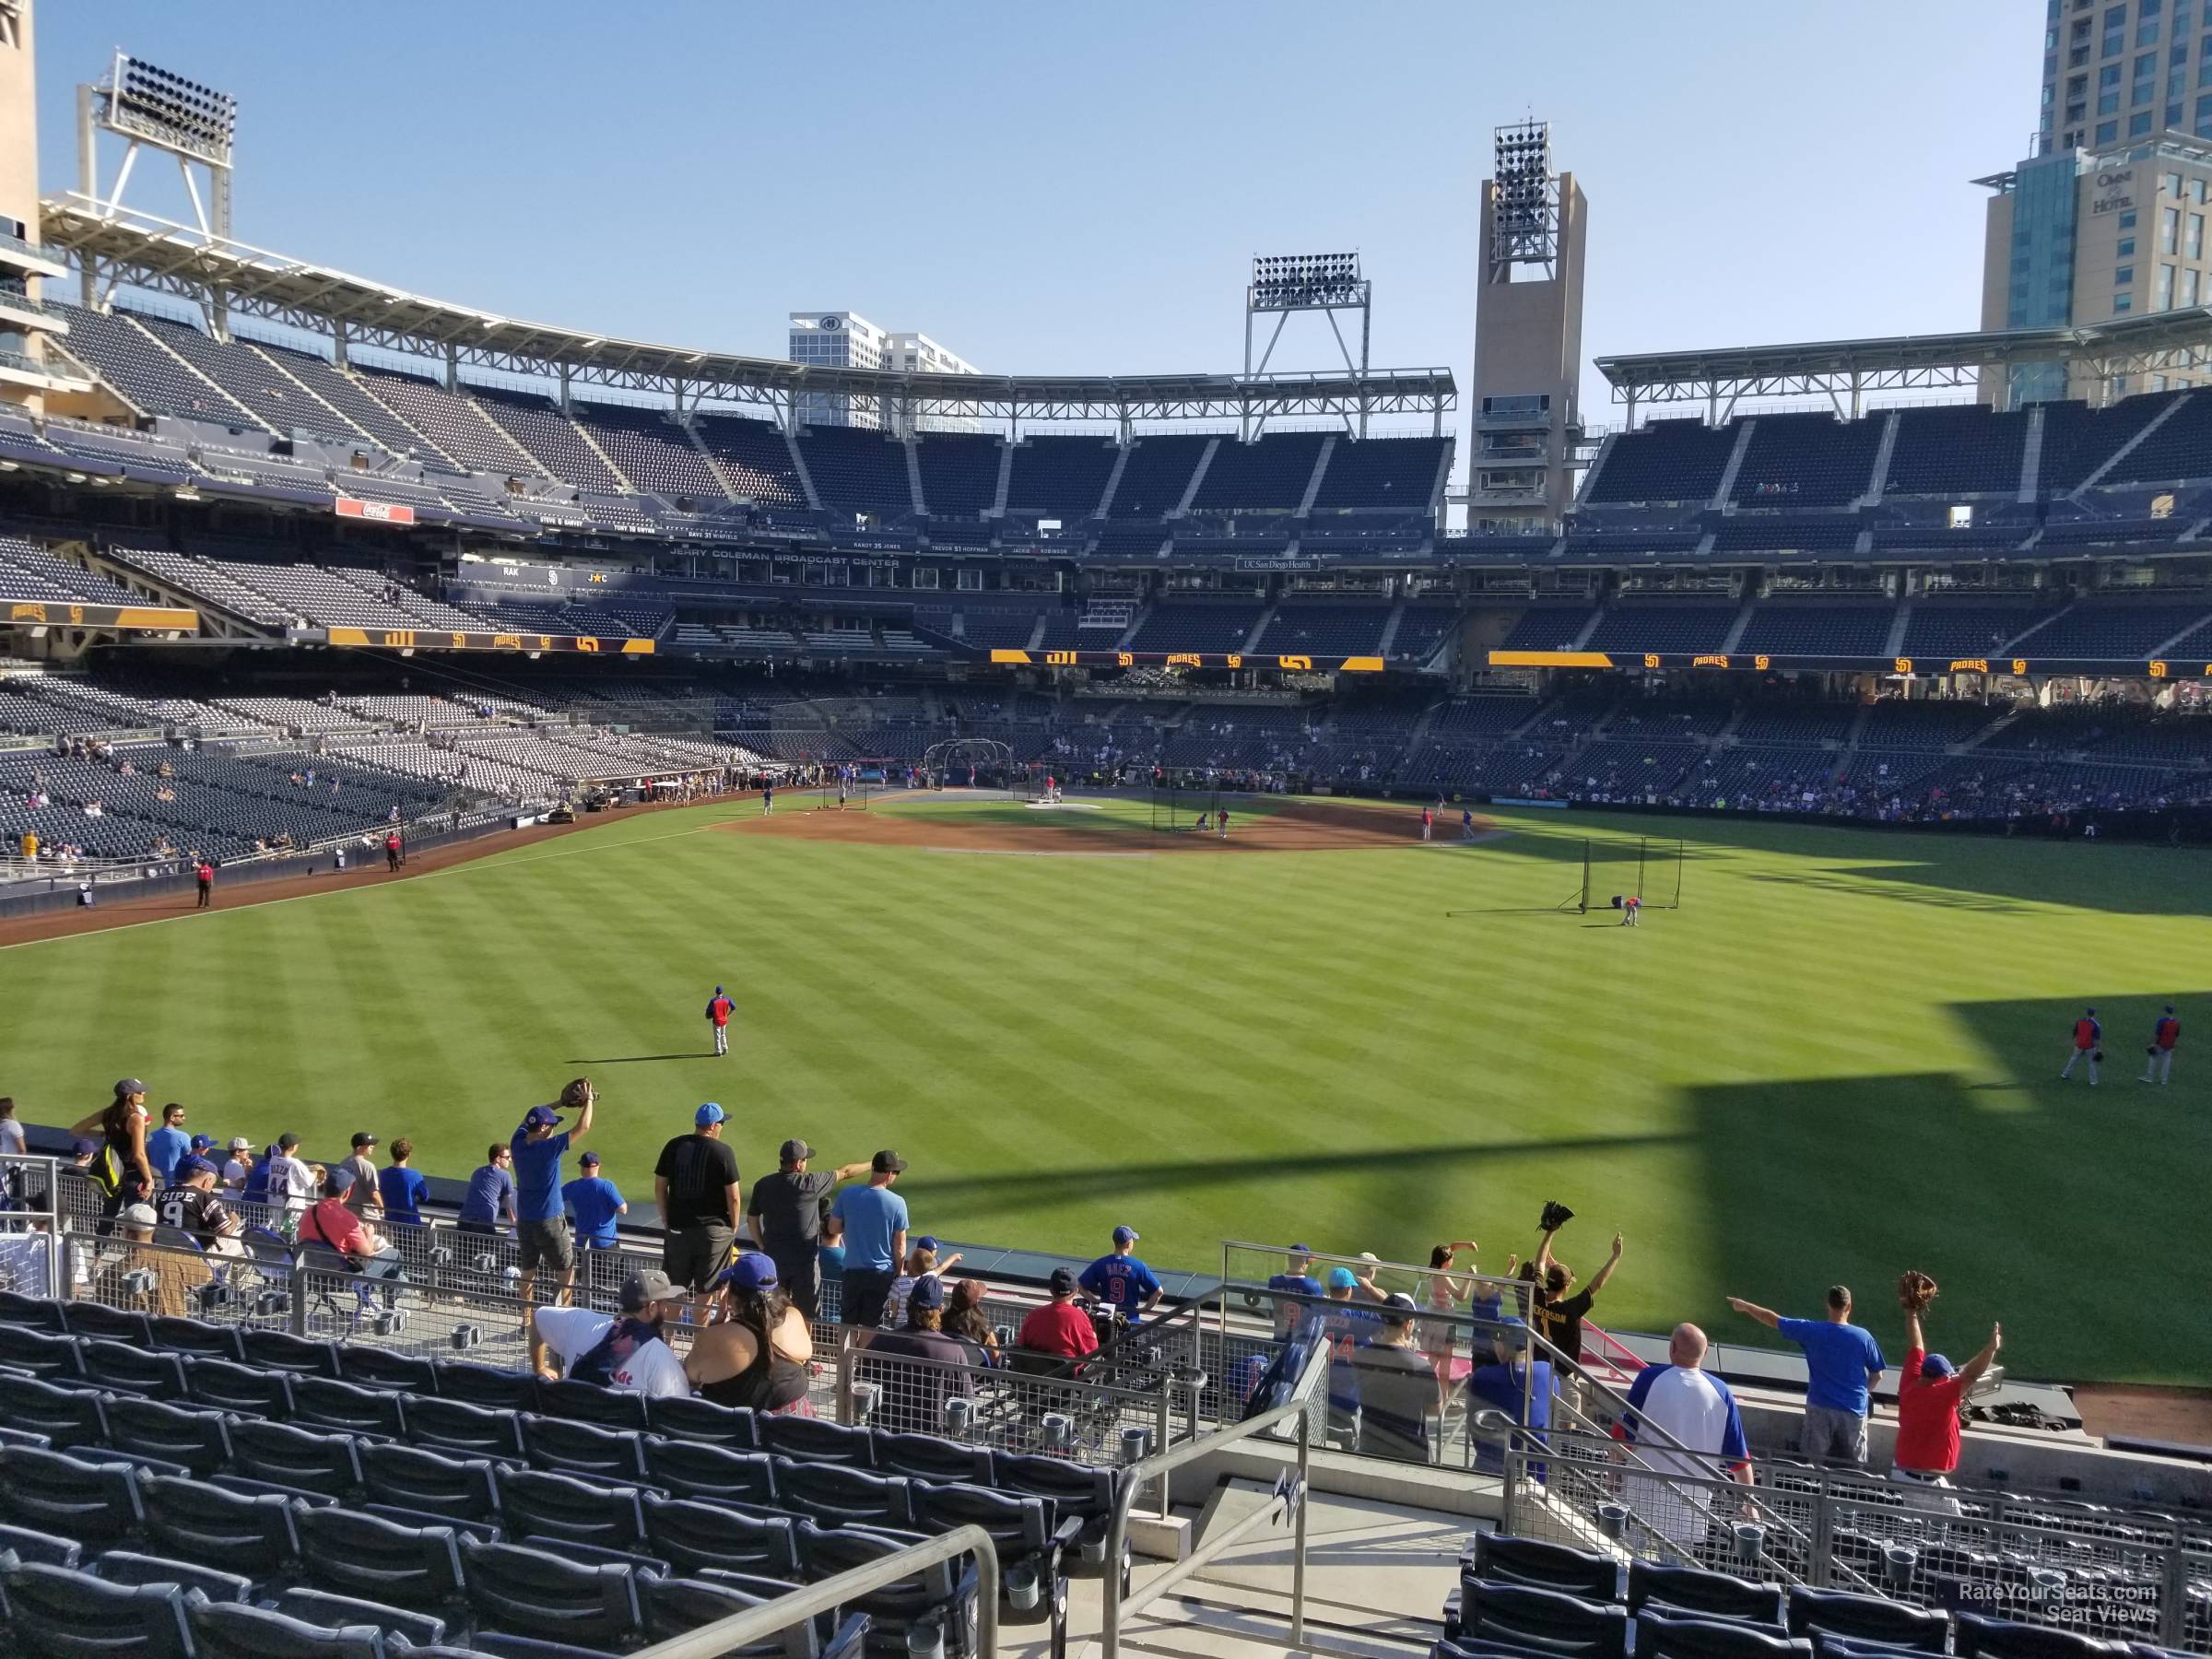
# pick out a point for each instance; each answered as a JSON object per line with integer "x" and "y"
{"x": 1528, "y": 337}
{"x": 151, "y": 108}
{"x": 1286, "y": 283}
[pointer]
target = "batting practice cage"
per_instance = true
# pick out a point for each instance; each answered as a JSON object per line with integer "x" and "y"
{"x": 1644, "y": 868}
{"x": 1181, "y": 805}
{"x": 971, "y": 763}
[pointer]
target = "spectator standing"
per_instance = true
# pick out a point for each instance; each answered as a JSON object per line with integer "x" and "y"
{"x": 541, "y": 1230}
{"x": 120, "y": 1168}
{"x": 1509, "y": 1384}
{"x": 871, "y": 1221}
{"x": 1559, "y": 1315}
{"x": 291, "y": 1183}
{"x": 1059, "y": 1327}
{"x": 11, "y": 1132}
{"x": 334, "y": 1224}
{"x": 202, "y": 875}
{"x": 784, "y": 1220}
{"x": 364, "y": 1196}
{"x": 1121, "y": 1280}
{"x": 191, "y": 1207}
{"x": 594, "y": 1204}
{"x": 1694, "y": 1409}
{"x": 756, "y": 1355}
{"x": 238, "y": 1169}
{"x": 627, "y": 1352}
{"x": 694, "y": 1184}
{"x": 1843, "y": 1363}
{"x": 489, "y": 1201}
{"x": 1443, "y": 1294}
{"x": 401, "y": 1186}
{"x": 1930, "y": 1393}
{"x": 1298, "y": 1281}
{"x": 1395, "y": 1386}
{"x": 167, "y": 1144}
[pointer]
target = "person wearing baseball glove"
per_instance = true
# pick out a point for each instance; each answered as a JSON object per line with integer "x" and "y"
{"x": 1931, "y": 1395}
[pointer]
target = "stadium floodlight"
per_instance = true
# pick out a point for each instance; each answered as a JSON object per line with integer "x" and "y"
{"x": 1524, "y": 208}
{"x": 160, "y": 107}
{"x": 1283, "y": 283}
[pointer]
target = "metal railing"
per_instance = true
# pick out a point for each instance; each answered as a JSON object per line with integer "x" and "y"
{"x": 756, "y": 1624}
{"x": 2129, "y": 1574}
{"x": 31, "y": 1223}
{"x": 1121, "y": 1605}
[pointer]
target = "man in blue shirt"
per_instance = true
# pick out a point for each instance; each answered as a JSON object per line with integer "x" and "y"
{"x": 1298, "y": 1281}
{"x": 594, "y": 1202}
{"x": 1842, "y": 1362}
{"x": 167, "y": 1145}
{"x": 490, "y": 1197}
{"x": 870, "y": 1222}
{"x": 403, "y": 1188}
{"x": 540, "y": 1228}
{"x": 1121, "y": 1280}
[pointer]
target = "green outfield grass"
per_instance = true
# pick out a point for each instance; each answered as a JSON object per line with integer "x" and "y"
{"x": 1838, "y": 1060}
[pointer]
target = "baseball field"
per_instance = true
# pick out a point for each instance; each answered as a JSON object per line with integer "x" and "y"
{"x": 1838, "y": 1059}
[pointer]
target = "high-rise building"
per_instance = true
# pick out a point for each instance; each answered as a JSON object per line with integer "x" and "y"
{"x": 1528, "y": 337}
{"x": 26, "y": 374}
{"x": 2117, "y": 71}
{"x": 844, "y": 339}
{"x": 2108, "y": 217}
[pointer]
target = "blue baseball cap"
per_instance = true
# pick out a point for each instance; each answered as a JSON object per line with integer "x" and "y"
{"x": 337, "y": 1181}
{"x": 708, "y": 1113}
{"x": 1342, "y": 1278}
{"x": 927, "y": 1293}
{"x": 1936, "y": 1366}
{"x": 194, "y": 1166}
{"x": 1301, "y": 1250}
{"x": 540, "y": 1117}
{"x": 84, "y": 1148}
{"x": 590, "y": 1160}
{"x": 754, "y": 1270}
{"x": 926, "y": 1242}
{"x": 1124, "y": 1235}
{"x": 203, "y": 1142}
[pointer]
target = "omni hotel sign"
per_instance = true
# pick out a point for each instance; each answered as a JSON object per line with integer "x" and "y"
{"x": 2115, "y": 191}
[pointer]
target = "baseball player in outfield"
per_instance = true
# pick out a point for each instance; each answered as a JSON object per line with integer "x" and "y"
{"x": 2167, "y": 1031}
{"x": 2088, "y": 1035}
{"x": 718, "y": 1009}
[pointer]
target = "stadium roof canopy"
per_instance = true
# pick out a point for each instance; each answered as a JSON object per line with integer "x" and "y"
{"x": 121, "y": 246}
{"x": 1851, "y": 369}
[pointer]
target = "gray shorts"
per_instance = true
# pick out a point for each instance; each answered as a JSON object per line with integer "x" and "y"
{"x": 546, "y": 1244}
{"x": 1833, "y": 1437}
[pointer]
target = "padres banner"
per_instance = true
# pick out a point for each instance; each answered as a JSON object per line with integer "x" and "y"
{"x": 1189, "y": 659}
{"x": 37, "y": 613}
{"x": 454, "y": 639}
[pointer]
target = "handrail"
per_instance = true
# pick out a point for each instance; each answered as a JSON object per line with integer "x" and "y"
{"x": 772, "y": 1618}
{"x": 1163, "y": 1463}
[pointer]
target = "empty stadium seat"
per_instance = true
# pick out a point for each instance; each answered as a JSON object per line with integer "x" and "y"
{"x": 29, "y": 1543}
{"x": 378, "y": 1560}
{"x": 690, "y": 1535}
{"x": 1503, "y": 1560}
{"x": 123, "y": 1368}
{"x": 322, "y": 1608}
{"x": 1662, "y": 1636}
{"x": 535, "y": 1594}
{"x": 1980, "y": 1637}
{"x": 1519, "y": 1614}
{"x": 68, "y": 1417}
{"x": 203, "y": 1523}
{"x": 19, "y": 1312}
{"x": 589, "y": 1403}
{"x": 129, "y": 1567}
{"x": 294, "y": 1459}
{"x": 943, "y": 1595}
{"x": 365, "y": 1367}
{"x": 232, "y": 1631}
{"x": 197, "y": 1440}
{"x": 92, "y": 1502}
{"x": 932, "y": 1457}
{"x": 1703, "y": 1594}
{"x": 248, "y": 1390}
{"x": 697, "y": 1469}
{"x": 1865, "y": 1618}
{"x": 487, "y": 1385}
{"x": 47, "y": 1355}
{"x": 335, "y": 1407}
{"x": 839, "y": 1495}
{"x": 426, "y": 1483}
{"x": 52, "y": 1610}
{"x": 577, "y": 1448}
{"x": 691, "y": 1419}
{"x": 536, "y": 1503}
{"x": 457, "y": 1428}
{"x": 197, "y": 1338}
{"x": 816, "y": 1440}
{"x": 279, "y": 1351}
{"x": 96, "y": 1322}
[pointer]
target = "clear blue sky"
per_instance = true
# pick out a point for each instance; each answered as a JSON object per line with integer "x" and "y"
{"x": 1061, "y": 188}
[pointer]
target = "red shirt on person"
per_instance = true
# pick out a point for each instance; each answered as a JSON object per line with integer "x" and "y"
{"x": 330, "y": 1222}
{"x": 1927, "y": 1419}
{"x": 1059, "y": 1327}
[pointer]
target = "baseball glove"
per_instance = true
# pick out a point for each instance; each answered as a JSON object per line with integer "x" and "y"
{"x": 576, "y": 1094}
{"x": 1916, "y": 1291}
{"x": 1555, "y": 1216}
{"x": 2099, "y": 1056}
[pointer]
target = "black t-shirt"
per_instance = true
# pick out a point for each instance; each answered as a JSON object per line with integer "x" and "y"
{"x": 789, "y": 1205}
{"x": 699, "y": 1172}
{"x": 192, "y": 1211}
{"x": 1563, "y": 1323}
